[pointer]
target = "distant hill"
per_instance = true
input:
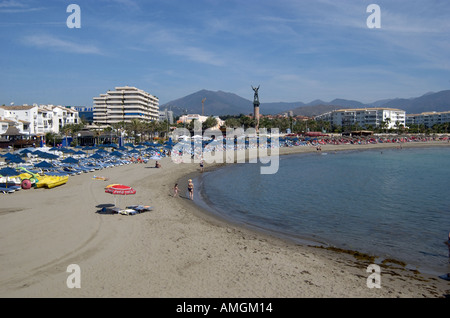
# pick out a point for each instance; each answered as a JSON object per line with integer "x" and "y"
{"x": 314, "y": 110}
{"x": 216, "y": 103}
{"x": 318, "y": 107}
{"x": 439, "y": 102}
{"x": 221, "y": 103}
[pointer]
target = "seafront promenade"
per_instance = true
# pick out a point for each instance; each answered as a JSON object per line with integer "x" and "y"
{"x": 175, "y": 250}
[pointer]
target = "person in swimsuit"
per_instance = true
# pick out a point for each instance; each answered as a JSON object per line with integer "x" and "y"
{"x": 175, "y": 190}
{"x": 191, "y": 189}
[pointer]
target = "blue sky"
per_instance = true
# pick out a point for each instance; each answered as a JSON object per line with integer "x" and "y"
{"x": 296, "y": 50}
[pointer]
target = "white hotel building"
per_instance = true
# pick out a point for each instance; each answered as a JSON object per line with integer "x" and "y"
{"x": 125, "y": 104}
{"x": 37, "y": 120}
{"x": 365, "y": 117}
{"x": 429, "y": 119}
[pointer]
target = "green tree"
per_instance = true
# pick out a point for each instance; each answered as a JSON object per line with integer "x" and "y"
{"x": 232, "y": 122}
{"x": 52, "y": 139}
{"x": 209, "y": 123}
{"x": 247, "y": 122}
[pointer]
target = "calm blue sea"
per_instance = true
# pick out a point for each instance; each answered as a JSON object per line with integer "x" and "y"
{"x": 389, "y": 203}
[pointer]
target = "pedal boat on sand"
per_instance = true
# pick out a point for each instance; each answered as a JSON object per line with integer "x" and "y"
{"x": 42, "y": 180}
{"x": 50, "y": 182}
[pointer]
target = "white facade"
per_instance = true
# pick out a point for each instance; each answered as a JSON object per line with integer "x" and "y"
{"x": 186, "y": 119}
{"x": 39, "y": 120}
{"x": 125, "y": 104}
{"x": 20, "y": 125}
{"x": 166, "y": 115}
{"x": 365, "y": 117}
{"x": 23, "y": 117}
{"x": 429, "y": 119}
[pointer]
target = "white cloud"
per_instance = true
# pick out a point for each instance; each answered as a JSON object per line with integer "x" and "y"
{"x": 11, "y": 4}
{"x": 51, "y": 42}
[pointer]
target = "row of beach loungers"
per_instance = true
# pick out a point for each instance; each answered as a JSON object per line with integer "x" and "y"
{"x": 59, "y": 163}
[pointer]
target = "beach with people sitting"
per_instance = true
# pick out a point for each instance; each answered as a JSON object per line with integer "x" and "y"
{"x": 177, "y": 249}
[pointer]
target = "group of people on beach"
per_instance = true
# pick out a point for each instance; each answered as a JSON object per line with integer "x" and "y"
{"x": 190, "y": 186}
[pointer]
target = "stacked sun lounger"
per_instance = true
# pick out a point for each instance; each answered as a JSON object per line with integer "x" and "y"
{"x": 135, "y": 209}
{"x": 129, "y": 210}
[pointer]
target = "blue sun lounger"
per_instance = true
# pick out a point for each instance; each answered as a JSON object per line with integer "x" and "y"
{"x": 7, "y": 190}
{"x": 139, "y": 208}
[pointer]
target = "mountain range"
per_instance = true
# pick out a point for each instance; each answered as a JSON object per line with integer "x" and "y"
{"x": 221, "y": 103}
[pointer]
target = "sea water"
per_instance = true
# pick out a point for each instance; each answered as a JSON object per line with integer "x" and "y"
{"x": 390, "y": 203}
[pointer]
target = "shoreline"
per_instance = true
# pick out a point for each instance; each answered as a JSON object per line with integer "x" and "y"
{"x": 174, "y": 251}
{"x": 207, "y": 211}
{"x": 207, "y": 208}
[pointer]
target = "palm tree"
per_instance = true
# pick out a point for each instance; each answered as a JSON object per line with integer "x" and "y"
{"x": 134, "y": 128}
{"x": 209, "y": 123}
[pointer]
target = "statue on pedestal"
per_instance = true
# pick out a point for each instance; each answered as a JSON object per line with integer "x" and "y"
{"x": 256, "y": 107}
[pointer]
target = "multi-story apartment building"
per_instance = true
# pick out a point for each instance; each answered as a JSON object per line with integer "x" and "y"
{"x": 125, "y": 104}
{"x": 429, "y": 119}
{"x": 39, "y": 120}
{"x": 53, "y": 118}
{"x": 166, "y": 115}
{"x": 22, "y": 117}
{"x": 86, "y": 114}
{"x": 365, "y": 117}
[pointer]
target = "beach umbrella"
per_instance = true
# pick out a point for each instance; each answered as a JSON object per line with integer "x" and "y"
{"x": 50, "y": 156}
{"x": 116, "y": 154}
{"x": 8, "y": 155}
{"x": 70, "y": 160}
{"x": 43, "y": 164}
{"x": 96, "y": 156}
{"x": 24, "y": 152}
{"x": 14, "y": 159}
{"x": 40, "y": 154}
{"x": 119, "y": 189}
{"x": 8, "y": 172}
{"x": 67, "y": 150}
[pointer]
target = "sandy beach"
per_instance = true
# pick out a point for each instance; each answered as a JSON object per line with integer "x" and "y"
{"x": 174, "y": 251}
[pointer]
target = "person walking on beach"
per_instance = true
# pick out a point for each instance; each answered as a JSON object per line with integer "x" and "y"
{"x": 191, "y": 189}
{"x": 175, "y": 190}
{"x": 201, "y": 165}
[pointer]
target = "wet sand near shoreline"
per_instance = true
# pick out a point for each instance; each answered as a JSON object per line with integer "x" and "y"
{"x": 177, "y": 249}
